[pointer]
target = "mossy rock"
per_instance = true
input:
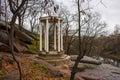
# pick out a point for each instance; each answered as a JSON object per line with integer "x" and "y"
{"x": 33, "y": 47}
{"x": 90, "y": 66}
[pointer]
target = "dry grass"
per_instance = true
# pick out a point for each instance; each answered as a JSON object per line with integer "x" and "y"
{"x": 30, "y": 70}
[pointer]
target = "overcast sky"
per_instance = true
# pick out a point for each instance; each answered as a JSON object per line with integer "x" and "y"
{"x": 110, "y": 12}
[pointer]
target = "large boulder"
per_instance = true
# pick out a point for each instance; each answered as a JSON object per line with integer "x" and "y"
{"x": 50, "y": 67}
{"x": 4, "y": 25}
{"x": 4, "y": 47}
{"x": 80, "y": 67}
{"x": 18, "y": 47}
{"x": 4, "y": 43}
{"x": 4, "y": 37}
{"x": 23, "y": 37}
{"x": 33, "y": 35}
{"x": 86, "y": 59}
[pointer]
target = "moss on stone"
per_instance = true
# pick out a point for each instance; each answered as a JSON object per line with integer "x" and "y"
{"x": 89, "y": 66}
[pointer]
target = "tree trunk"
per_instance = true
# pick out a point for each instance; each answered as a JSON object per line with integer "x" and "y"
{"x": 68, "y": 48}
{"x": 80, "y": 56}
{"x": 11, "y": 40}
{"x": 20, "y": 22}
{"x": 0, "y": 10}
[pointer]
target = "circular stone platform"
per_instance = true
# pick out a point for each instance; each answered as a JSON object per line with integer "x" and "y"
{"x": 55, "y": 58}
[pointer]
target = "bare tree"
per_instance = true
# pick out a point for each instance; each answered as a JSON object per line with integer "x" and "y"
{"x": 21, "y": 17}
{"x": 86, "y": 34}
{"x": 15, "y": 11}
{"x": 67, "y": 21}
{"x": 117, "y": 29}
{"x": 80, "y": 56}
{"x": 90, "y": 31}
{"x": 116, "y": 39}
{"x": 0, "y": 10}
{"x": 37, "y": 8}
{"x": 33, "y": 20}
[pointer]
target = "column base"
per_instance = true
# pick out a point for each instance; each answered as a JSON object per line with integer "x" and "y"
{"x": 55, "y": 59}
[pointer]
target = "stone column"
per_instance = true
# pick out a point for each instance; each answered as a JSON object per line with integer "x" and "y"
{"x": 40, "y": 27}
{"x": 47, "y": 35}
{"x": 58, "y": 35}
{"x": 55, "y": 37}
{"x": 61, "y": 37}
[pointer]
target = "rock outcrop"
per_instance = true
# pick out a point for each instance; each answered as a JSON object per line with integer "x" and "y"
{"x": 22, "y": 38}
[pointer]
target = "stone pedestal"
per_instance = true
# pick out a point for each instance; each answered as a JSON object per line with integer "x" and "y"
{"x": 54, "y": 58}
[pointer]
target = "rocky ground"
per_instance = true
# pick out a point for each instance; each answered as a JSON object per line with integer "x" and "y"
{"x": 94, "y": 72}
{"x": 101, "y": 72}
{"x": 33, "y": 71}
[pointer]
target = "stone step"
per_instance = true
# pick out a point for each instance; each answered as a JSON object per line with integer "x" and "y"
{"x": 52, "y": 57}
